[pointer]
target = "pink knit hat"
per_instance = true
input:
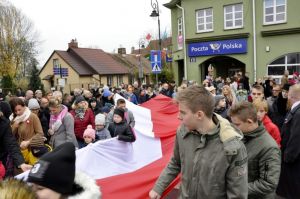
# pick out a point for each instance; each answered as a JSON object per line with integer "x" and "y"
{"x": 89, "y": 132}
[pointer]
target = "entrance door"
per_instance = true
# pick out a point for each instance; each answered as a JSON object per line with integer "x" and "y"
{"x": 180, "y": 71}
{"x": 223, "y": 66}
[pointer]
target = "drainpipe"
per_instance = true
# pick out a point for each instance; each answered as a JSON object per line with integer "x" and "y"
{"x": 254, "y": 41}
{"x": 184, "y": 44}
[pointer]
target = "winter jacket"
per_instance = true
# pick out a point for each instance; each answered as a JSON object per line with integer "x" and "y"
{"x": 8, "y": 144}
{"x": 289, "y": 183}
{"x": 263, "y": 163}
{"x": 212, "y": 166}
{"x": 272, "y": 129}
{"x": 27, "y": 129}
{"x": 30, "y": 158}
{"x": 122, "y": 130}
{"x": 65, "y": 133}
{"x": 81, "y": 125}
{"x": 102, "y": 134}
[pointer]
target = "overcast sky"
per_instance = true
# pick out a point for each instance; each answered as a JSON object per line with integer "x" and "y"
{"x": 105, "y": 24}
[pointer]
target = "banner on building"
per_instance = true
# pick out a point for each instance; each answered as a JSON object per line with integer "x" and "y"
{"x": 235, "y": 46}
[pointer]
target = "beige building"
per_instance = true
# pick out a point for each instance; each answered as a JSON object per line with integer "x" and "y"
{"x": 87, "y": 67}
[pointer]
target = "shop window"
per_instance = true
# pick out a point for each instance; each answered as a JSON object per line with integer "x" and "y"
{"x": 274, "y": 11}
{"x": 233, "y": 16}
{"x": 204, "y": 20}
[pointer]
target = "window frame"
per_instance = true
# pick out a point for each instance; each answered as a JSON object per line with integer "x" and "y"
{"x": 204, "y": 17}
{"x": 233, "y": 16}
{"x": 274, "y": 13}
{"x": 285, "y": 65}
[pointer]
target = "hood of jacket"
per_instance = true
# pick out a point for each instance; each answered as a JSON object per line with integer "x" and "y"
{"x": 227, "y": 131}
{"x": 89, "y": 187}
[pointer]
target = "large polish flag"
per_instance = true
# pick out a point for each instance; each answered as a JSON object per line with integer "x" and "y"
{"x": 129, "y": 170}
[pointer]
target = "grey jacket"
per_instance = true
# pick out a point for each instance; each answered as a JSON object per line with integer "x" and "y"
{"x": 264, "y": 162}
{"x": 212, "y": 166}
{"x": 65, "y": 133}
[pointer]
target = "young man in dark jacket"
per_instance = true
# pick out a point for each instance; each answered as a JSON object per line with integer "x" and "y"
{"x": 263, "y": 151}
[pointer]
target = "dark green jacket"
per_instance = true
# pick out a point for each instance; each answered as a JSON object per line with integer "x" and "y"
{"x": 212, "y": 166}
{"x": 263, "y": 163}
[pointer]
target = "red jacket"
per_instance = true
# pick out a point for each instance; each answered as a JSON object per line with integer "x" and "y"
{"x": 2, "y": 171}
{"x": 272, "y": 129}
{"x": 81, "y": 125}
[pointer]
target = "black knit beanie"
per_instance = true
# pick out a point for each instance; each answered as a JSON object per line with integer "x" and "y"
{"x": 56, "y": 170}
{"x": 120, "y": 112}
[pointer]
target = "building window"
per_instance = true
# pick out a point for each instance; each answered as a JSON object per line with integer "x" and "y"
{"x": 274, "y": 11}
{"x": 204, "y": 20}
{"x": 55, "y": 63}
{"x": 180, "y": 26}
{"x": 109, "y": 80}
{"x": 119, "y": 79}
{"x": 180, "y": 37}
{"x": 233, "y": 16}
{"x": 289, "y": 62}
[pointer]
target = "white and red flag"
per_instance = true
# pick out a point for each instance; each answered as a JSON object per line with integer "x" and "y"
{"x": 129, "y": 170}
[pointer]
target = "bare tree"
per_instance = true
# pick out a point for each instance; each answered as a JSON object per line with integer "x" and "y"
{"x": 17, "y": 41}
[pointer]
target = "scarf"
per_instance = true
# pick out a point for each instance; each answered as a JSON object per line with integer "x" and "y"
{"x": 79, "y": 113}
{"x": 20, "y": 118}
{"x": 56, "y": 120}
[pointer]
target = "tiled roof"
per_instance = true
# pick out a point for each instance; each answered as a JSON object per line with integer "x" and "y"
{"x": 132, "y": 60}
{"x": 100, "y": 61}
{"x": 76, "y": 63}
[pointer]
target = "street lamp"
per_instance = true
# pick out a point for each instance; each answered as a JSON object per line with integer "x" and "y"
{"x": 155, "y": 13}
{"x": 141, "y": 72}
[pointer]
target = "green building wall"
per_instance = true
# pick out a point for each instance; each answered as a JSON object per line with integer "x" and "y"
{"x": 280, "y": 38}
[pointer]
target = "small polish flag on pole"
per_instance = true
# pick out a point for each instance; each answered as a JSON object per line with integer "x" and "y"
{"x": 148, "y": 37}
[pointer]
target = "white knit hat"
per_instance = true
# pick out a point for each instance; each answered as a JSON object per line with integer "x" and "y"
{"x": 33, "y": 104}
{"x": 100, "y": 119}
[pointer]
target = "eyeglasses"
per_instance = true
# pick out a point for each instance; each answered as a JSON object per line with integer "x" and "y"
{"x": 275, "y": 90}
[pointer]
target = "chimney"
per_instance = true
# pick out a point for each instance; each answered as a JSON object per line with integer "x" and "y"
{"x": 73, "y": 43}
{"x": 122, "y": 51}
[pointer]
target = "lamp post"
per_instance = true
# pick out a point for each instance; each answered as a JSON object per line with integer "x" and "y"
{"x": 141, "y": 72}
{"x": 155, "y": 13}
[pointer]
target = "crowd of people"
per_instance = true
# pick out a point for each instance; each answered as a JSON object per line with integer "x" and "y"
{"x": 236, "y": 140}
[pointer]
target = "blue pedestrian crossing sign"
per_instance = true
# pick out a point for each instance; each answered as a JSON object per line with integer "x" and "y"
{"x": 155, "y": 59}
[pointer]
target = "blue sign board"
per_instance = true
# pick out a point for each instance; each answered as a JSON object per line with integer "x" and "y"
{"x": 56, "y": 70}
{"x": 64, "y": 72}
{"x": 155, "y": 59}
{"x": 235, "y": 46}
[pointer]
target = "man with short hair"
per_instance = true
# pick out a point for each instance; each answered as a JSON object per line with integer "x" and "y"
{"x": 208, "y": 152}
{"x": 28, "y": 96}
{"x": 38, "y": 95}
{"x": 257, "y": 92}
{"x": 263, "y": 152}
{"x": 289, "y": 182}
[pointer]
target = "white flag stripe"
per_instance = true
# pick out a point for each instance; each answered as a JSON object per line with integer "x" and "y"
{"x": 113, "y": 157}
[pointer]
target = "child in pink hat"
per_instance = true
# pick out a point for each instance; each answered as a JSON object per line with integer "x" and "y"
{"x": 89, "y": 135}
